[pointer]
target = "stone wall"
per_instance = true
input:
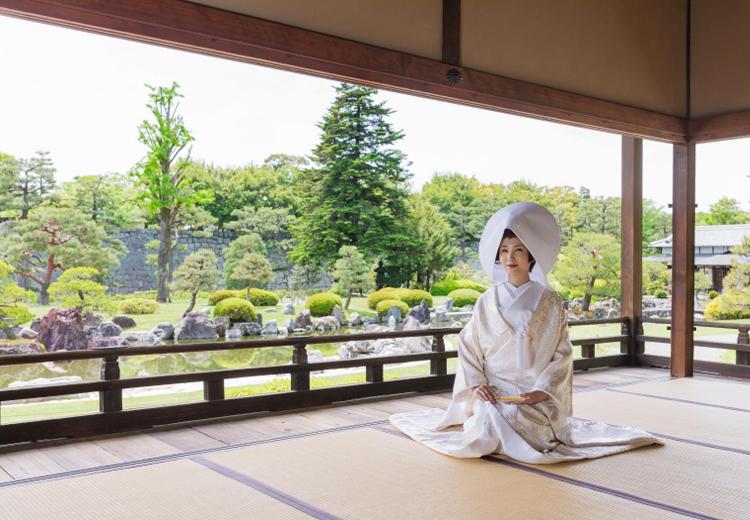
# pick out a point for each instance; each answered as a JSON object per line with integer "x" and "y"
{"x": 135, "y": 274}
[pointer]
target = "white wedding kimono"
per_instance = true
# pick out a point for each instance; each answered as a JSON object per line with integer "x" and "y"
{"x": 517, "y": 341}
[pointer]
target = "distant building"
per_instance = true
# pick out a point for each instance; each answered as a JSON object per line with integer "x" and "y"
{"x": 713, "y": 246}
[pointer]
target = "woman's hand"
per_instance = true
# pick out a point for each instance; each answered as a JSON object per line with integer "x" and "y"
{"x": 485, "y": 393}
{"x": 533, "y": 397}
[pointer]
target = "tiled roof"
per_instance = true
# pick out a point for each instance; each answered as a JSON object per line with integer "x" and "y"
{"x": 707, "y": 236}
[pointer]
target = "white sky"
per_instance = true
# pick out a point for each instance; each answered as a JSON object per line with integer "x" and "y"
{"x": 82, "y": 97}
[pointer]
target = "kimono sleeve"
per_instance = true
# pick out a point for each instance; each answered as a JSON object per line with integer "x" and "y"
{"x": 556, "y": 378}
{"x": 470, "y": 354}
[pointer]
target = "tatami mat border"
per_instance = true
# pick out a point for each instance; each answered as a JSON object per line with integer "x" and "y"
{"x": 676, "y": 399}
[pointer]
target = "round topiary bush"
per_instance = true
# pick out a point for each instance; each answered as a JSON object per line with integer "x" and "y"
{"x": 712, "y": 294}
{"x": 236, "y": 309}
{"x": 413, "y": 297}
{"x": 386, "y": 293}
{"x": 322, "y": 304}
{"x": 138, "y": 306}
{"x": 263, "y": 298}
{"x": 463, "y": 297}
{"x": 447, "y": 286}
{"x": 216, "y": 296}
{"x": 728, "y": 307}
{"x": 661, "y": 293}
{"x": 384, "y": 305}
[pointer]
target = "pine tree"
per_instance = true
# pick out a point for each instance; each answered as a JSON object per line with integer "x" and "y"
{"x": 356, "y": 193}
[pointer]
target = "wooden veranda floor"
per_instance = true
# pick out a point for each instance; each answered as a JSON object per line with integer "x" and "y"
{"x": 341, "y": 462}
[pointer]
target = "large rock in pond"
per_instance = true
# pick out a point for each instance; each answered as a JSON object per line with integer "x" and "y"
{"x": 222, "y": 324}
{"x": 271, "y": 328}
{"x": 395, "y": 313}
{"x": 326, "y": 323}
{"x": 62, "y": 329}
{"x": 421, "y": 313}
{"x": 233, "y": 334}
{"x": 124, "y": 322}
{"x": 195, "y": 325}
{"x": 35, "y": 324}
{"x": 92, "y": 319}
{"x": 339, "y": 315}
{"x": 164, "y": 331}
{"x": 20, "y": 347}
{"x": 288, "y": 309}
{"x": 109, "y": 330}
{"x": 249, "y": 328}
{"x": 26, "y": 333}
{"x": 355, "y": 320}
{"x": 303, "y": 320}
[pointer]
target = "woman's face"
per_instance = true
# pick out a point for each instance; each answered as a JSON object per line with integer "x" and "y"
{"x": 514, "y": 257}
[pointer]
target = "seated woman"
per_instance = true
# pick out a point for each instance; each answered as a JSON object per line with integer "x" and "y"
{"x": 516, "y": 345}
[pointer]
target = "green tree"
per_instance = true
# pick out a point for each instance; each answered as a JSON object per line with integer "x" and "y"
{"x": 78, "y": 288}
{"x": 52, "y": 240}
{"x": 590, "y": 266}
{"x": 25, "y": 184}
{"x": 738, "y": 278}
{"x": 600, "y": 215}
{"x": 657, "y": 224}
{"x": 12, "y": 312}
{"x": 724, "y": 211}
{"x": 352, "y": 271}
{"x": 167, "y": 187}
{"x": 656, "y": 277}
{"x": 239, "y": 247}
{"x": 356, "y": 193}
{"x": 198, "y": 271}
{"x": 431, "y": 233}
{"x": 253, "y": 270}
{"x": 106, "y": 199}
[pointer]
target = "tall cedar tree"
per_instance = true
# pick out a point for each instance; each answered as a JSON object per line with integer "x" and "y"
{"x": 356, "y": 194}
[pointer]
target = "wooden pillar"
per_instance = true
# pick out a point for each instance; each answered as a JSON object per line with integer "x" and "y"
{"x": 631, "y": 249}
{"x": 683, "y": 258}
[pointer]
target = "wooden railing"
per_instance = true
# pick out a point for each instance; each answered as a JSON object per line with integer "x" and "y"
{"x": 112, "y": 417}
{"x": 741, "y": 366}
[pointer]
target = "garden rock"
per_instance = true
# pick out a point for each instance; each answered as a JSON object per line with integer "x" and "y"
{"x": 108, "y": 329}
{"x": 440, "y": 316}
{"x": 124, "y": 322}
{"x": 108, "y": 342}
{"x": 35, "y": 324}
{"x": 259, "y": 318}
{"x": 326, "y": 323}
{"x": 62, "y": 329}
{"x": 93, "y": 319}
{"x": 448, "y": 304}
{"x": 289, "y": 324}
{"x": 314, "y": 356}
{"x": 395, "y": 313}
{"x": 421, "y": 313}
{"x": 164, "y": 331}
{"x": 303, "y": 320}
{"x": 233, "y": 334}
{"x": 141, "y": 338}
{"x": 288, "y": 309}
{"x": 387, "y": 346}
{"x": 369, "y": 321}
{"x": 14, "y": 349}
{"x": 468, "y": 308}
{"x": 26, "y": 333}
{"x": 222, "y": 324}
{"x": 195, "y": 325}
{"x": 355, "y": 320}
{"x": 249, "y": 328}
{"x": 339, "y": 315}
{"x": 7, "y": 333}
{"x": 271, "y": 328}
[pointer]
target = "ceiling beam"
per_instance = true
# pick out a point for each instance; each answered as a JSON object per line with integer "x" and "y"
{"x": 452, "y": 32}
{"x": 197, "y": 28}
{"x": 716, "y": 128}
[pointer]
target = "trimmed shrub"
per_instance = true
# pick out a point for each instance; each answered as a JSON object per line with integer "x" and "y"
{"x": 236, "y": 309}
{"x": 216, "y": 296}
{"x": 322, "y": 304}
{"x": 15, "y": 314}
{"x": 730, "y": 306}
{"x": 712, "y": 294}
{"x": 138, "y": 306}
{"x": 384, "y": 305}
{"x": 263, "y": 298}
{"x": 463, "y": 297}
{"x": 661, "y": 293}
{"x": 447, "y": 286}
{"x": 386, "y": 293}
{"x": 413, "y": 297}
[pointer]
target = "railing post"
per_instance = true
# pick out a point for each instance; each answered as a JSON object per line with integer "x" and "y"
{"x": 438, "y": 367}
{"x": 374, "y": 373}
{"x": 301, "y": 379}
{"x": 213, "y": 389}
{"x": 110, "y": 400}
{"x": 743, "y": 338}
{"x": 588, "y": 350}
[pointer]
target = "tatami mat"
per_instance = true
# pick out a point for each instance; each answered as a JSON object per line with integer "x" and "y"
{"x": 370, "y": 474}
{"x": 181, "y": 490}
{"x": 729, "y": 394}
{"x": 685, "y": 420}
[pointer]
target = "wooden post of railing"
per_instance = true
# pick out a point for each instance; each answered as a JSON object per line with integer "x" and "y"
{"x": 213, "y": 389}
{"x": 301, "y": 379}
{"x": 743, "y": 338}
{"x": 438, "y": 367}
{"x": 588, "y": 350}
{"x": 374, "y": 373}
{"x": 110, "y": 400}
